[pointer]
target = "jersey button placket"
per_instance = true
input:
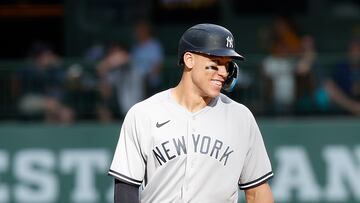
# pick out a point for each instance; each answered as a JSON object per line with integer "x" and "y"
{"x": 189, "y": 159}
{"x": 193, "y": 129}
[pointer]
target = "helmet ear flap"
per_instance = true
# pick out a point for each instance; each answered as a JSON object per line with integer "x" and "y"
{"x": 232, "y": 78}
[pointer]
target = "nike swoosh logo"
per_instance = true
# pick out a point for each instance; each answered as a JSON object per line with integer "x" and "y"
{"x": 158, "y": 125}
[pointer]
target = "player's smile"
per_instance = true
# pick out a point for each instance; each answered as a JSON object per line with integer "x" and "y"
{"x": 217, "y": 82}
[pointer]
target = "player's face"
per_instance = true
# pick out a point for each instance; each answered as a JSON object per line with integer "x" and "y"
{"x": 209, "y": 74}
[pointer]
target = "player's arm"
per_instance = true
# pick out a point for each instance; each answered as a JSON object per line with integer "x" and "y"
{"x": 125, "y": 193}
{"x": 259, "y": 194}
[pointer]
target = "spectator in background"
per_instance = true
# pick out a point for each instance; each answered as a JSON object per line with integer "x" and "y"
{"x": 147, "y": 57}
{"x": 278, "y": 68}
{"x": 120, "y": 86}
{"x": 311, "y": 96}
{"x": 94, "y": 53}
{"x": 82, "y": 89}
{"x": 284, "y": 36}
{"x": 41, "y": 86}
{"x": 279, "y": 83}
{"x": 344, "y": 85}
{"x": 281, "y": 35}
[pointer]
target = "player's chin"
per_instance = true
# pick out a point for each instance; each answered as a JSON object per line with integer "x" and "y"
{"x": 214, "y": 92}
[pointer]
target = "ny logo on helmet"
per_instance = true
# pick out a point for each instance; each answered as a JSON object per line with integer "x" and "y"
{"x": 229, "y": 42}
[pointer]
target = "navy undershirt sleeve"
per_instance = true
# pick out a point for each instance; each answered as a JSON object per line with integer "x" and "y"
{"x": 125, "y": 193}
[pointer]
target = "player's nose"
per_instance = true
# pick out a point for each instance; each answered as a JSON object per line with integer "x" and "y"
{"x": 222, "y": 71}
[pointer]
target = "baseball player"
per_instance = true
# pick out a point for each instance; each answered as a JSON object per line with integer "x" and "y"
{"x": 191, "y": 143}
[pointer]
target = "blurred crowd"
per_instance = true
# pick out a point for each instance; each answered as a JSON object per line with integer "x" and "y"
{"x": 296, "y": 83}
{"x": 118, "y": 75}
{"x": 291, "y": 79}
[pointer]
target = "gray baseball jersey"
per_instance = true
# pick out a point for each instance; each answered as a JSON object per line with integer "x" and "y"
{"x": 179, "y": 156}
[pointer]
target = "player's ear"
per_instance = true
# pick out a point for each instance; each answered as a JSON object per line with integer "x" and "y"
{"x": 189, "y": 59}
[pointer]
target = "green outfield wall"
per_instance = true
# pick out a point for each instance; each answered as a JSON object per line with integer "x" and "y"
{"x": 314, "y": 160}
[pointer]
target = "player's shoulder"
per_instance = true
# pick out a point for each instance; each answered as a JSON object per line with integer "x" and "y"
{"x": 227, "y": 101}
{"x": 150, "y": 104}
{"x": 233, "y": 105}
{"x": 237, "y": 111}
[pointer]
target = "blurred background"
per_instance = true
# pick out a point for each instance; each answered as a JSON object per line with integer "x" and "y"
{"x": 70, "y": 70}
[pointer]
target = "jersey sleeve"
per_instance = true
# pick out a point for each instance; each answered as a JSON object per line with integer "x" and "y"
{"x": 257, "y": 167}
{"x": 128, "y": 164}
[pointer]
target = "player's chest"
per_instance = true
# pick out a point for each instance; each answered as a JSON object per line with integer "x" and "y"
{"x": 192, "y": 129}
{"x": 170, "y": 137}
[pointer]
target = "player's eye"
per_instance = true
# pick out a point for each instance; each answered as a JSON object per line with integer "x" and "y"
{"x": 215, "y": 68}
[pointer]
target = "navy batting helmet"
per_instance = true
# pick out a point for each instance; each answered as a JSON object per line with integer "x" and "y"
{"x": 212, "y": 40}
{"x": 209, "y": 39}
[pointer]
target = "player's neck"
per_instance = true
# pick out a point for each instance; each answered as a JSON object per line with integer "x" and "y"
{"x": 189, "y": 99}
